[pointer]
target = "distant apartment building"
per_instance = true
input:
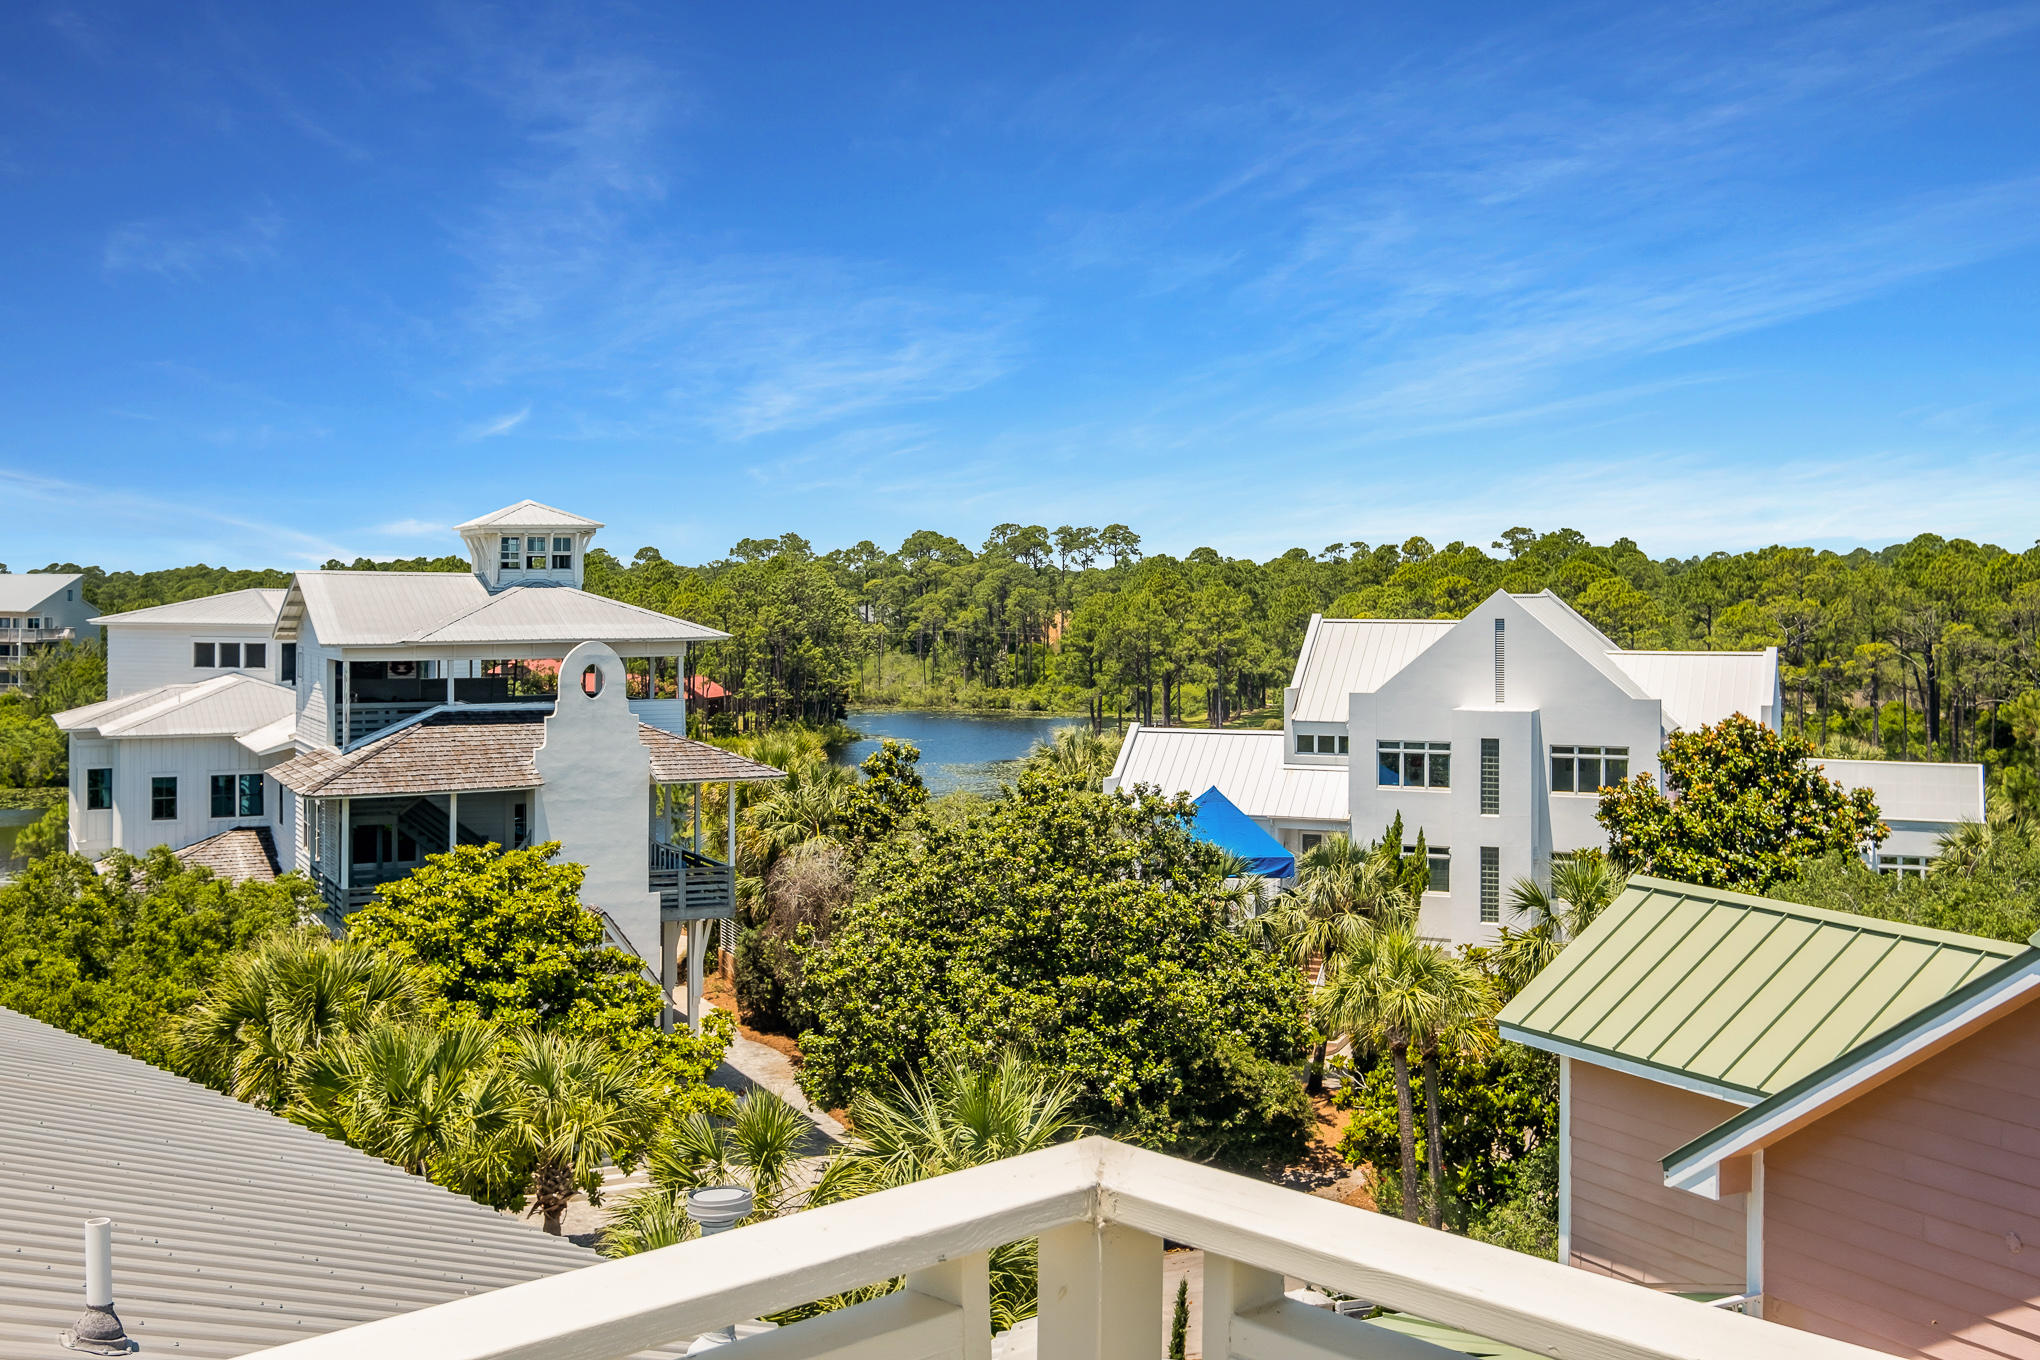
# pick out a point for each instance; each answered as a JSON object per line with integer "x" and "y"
{"x": 1492, "y": 736}
{"x": 39, "y": 609}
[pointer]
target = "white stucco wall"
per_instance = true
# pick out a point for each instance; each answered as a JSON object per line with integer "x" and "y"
{"x": 596, "y": 799}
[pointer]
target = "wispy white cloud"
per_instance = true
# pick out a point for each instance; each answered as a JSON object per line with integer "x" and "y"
{"x": 199, "y": 530}
{"x": 182, "y": 251}
{"x": 489, "y": 429}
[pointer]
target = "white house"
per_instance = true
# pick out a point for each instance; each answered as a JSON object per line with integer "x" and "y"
{"x": 365, "y": 720}
{"x": 1491, "y": 735}
{"x": 39, "y": 609}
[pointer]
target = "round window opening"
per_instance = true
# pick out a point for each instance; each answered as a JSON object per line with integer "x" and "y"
{"x": 591, "y": 681}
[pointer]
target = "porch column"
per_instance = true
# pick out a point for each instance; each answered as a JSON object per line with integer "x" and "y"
{"x": 452, "y": 820}
{"x": 669, "y": 971}
{"x": 697, "y": 950}
{"x": 730, "y": 857}
{"x": 346, "y": 703}
{"x": 694, "y": 819}
{"x": 449, "y": 680}
{"x": 346, "y": 851}
{"x": 1101, "y": 1293}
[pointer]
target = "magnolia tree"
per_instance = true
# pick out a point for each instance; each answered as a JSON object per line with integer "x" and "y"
{"x": 1740, "y": 808}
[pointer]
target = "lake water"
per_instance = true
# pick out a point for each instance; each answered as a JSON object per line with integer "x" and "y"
{"x": 958, "y": 750}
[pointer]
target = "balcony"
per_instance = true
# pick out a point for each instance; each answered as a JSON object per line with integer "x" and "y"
{"x": 691, "y": 886}
{"x": 1102, "y": 1211}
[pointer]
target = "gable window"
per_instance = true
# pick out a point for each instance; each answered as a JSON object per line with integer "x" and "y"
{"x": 512, "y": 553}
{"x": 163, "y": 798}
{"x": 563, "y": 553}
{"x": 254, "y": 655}
{"x": 202, "y": 655}
{"x": 1439, "y": 858}
{"x": 99, "y": 790}
{"x": 534, "y": 553}
{"x": 286, "y": 664}
{"x": 1414, "y": 764}
{"x": 1587, "y": 769}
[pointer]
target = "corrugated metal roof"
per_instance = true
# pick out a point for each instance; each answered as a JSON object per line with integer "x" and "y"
{"x": 233, "y": 1230}
{"x": 1696, "y": 689}
{"x": 1355, "y": 656}
{"x": 226, "y": 705}
{"x": 480, "y": 749}
{"x": 24, "y": 590}
{"x": 1914, "y": 790}
{"x": 1244, "y": 766}
{"x": 1734, "y": 991}
{"x": 529, "y": 514}
{"x": 390, "y": 608}
{"x": 252, "y": 608}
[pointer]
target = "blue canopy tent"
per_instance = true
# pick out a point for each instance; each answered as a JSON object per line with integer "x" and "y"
{"x": 1221, "y": 824}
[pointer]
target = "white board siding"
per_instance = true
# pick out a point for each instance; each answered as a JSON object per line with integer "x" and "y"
{"x": 139, "y": 658}
{"x": 192, "y": 761}
{"x": 315, "y": 718}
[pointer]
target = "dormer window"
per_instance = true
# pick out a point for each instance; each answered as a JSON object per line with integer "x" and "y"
{"x": 563, "y": 552}
{"x": 534, "y": 553}
{"x": 513, "y": 549}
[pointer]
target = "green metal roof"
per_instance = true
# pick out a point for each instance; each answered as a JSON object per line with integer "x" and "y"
{"x": 1737, "y": 992}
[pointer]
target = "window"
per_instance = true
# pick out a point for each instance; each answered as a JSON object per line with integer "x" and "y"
{"x": 518, "y": 828}
{"x": 1308, "y": 841}
{"x": 286, "y": 663}
{"x": 1903, "y": 866}
{"x": 1323, "y": 744}
{"x": 1490, "y": 883}
{"x": 512, "y": 553}
{"x": 98, "y": 790}
{"x": 1586, "y": 769}
{"x": 163, "y": 798}
{"x": 1501, "y": 662}
{"x": 255, "y": 655}
{"x": 230, "y": 655}
{"x": 1440, "y": 858}
{"x": 1415, "y": 764}
{"x": 35, "y": 623}
{"x": 250, "y": 795}
{"x": 534, "y": 553}
{"x": 202, "y": 655}
{"x": 1490, "y": 777}
{"x": 223, "y": 795}
{"x": 563, "y": 553}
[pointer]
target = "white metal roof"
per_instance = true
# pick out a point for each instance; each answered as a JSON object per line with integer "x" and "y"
{"x": 23, "y": 590}
{"x": 233, "y": 1230}
{"x": 529, "y": 514}
{"x": 1246, "y": 766}
{"x": 1914, "y": 790}
{"x": 1699, "y": 688}
{"x": 255, "y": 607}
{"x": 389, "y": 608}
{"x": 1354, "y": 656}
{"x": 226, "y": 705}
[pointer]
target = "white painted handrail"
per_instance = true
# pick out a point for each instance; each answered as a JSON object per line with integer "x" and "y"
{"x": 1101, "y": 1209}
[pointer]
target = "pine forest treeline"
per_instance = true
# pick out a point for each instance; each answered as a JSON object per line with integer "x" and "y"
{"x": 1928, "y": 649}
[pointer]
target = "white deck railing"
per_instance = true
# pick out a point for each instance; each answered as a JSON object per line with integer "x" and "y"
{"x": 1101, "y": 1210}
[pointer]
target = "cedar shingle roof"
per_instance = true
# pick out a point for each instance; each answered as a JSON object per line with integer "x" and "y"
{"x": 478, "y": 750}
{"x": 246, "y": 852}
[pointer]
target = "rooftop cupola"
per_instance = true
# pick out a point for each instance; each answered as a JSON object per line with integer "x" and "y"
{"x": 528, "y": 544}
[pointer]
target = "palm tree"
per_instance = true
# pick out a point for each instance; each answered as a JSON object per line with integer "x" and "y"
{"x": 1393, "y": 990}
{"x": 414, "y": 1094}
{"x": 1343, "y": 894}
{"x": 1583, "y": 884}
{"x": 1465, "y": 1028}
{"x": 1965, "y": 848}
{"x": 273, "y": 1009}
{"x": 1077, "y": 756}
{"x": 811, "y": 803}
{"x": 574, "y": 1107}
{"x": 758, "y": 1147}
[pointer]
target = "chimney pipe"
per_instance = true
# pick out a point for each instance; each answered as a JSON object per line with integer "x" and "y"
{"x": 97, "y": 1330}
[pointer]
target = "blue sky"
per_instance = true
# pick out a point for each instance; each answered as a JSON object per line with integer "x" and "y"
{"x": 280, "y": 285}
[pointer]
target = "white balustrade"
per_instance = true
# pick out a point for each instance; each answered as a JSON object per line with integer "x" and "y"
{"x": 1100, "y": 1211}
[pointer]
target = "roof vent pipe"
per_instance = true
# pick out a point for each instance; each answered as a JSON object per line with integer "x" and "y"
{"x": 97, "y": 1330}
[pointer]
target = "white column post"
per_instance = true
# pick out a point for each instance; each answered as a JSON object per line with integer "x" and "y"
{"x": 1753, "y": 1237}
{"x": 1231, "y": 1288}
{"x": 1101, "y": 1293}
{"x": 695, "y": 819}
{"x": 449, "y": 664}
{"x": 669, "y": 971}
{"x": 346, "y": 851}
{"x": 697, "y": 946}
{"x": 730, "y": 855}
{"x": 1565, "y": 1187}
{"x": 346, "y": 703}
{"x": 452, "y": 820}
{"x": 967, "y": 1283}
